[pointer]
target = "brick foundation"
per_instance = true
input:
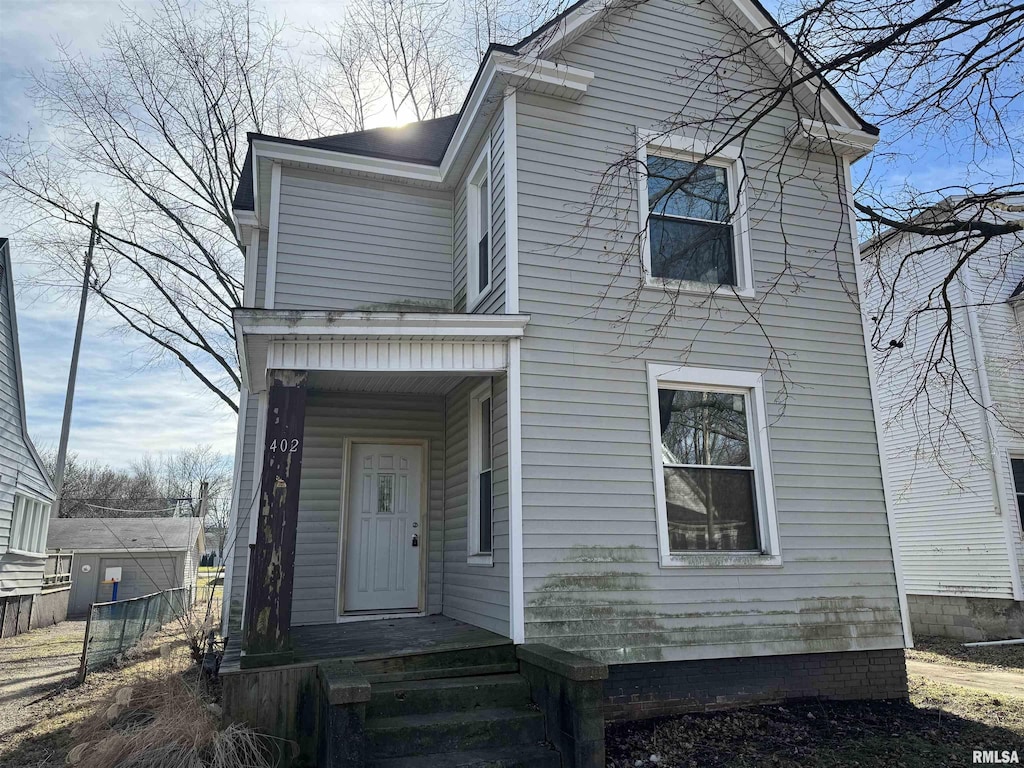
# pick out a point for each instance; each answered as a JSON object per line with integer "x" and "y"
{"x": 637, "y": 691}
{"x": 968, "y": 619}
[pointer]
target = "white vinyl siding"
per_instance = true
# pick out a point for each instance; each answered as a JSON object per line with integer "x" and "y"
{"x": 952, "y": 538}
{"x": 355, "y": 244}
{"x": 592, "y": 574}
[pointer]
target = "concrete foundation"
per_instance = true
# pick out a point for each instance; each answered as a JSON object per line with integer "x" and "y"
{"x": 968, "y": 619}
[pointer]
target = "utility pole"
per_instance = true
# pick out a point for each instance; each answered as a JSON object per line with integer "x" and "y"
{"x": 65, "y": 429}
{"x": 204, "y": 491}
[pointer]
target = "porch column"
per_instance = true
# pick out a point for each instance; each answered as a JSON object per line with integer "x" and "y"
{"x": 268, "y": 609}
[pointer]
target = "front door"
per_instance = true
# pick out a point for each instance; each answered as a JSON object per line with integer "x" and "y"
{"x": 384, "y": 528}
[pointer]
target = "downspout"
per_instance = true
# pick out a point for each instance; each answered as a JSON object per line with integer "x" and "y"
{"x": 991, "y": 434}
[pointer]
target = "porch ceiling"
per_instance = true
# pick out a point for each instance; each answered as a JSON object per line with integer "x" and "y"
{"x": 372, "y": 344}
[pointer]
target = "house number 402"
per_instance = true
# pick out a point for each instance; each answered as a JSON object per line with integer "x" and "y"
{"x": 284, "y": 445}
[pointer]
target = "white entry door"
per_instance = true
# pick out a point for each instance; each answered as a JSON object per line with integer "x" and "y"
{"x": 384, "y": 530}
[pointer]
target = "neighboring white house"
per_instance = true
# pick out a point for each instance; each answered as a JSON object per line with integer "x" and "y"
{"x": 957, "y": 487}
{"x": 25, "y": 488}
{"x": 460, "y": 365}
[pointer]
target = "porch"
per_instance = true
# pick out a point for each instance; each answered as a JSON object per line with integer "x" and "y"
{"x": 417, "y": 691}
{"x": 365, "y": 499}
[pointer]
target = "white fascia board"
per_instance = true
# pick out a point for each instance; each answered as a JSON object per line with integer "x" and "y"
{"x": 383, "y": 324}
{"x": 846, "y": 142}
{"x": 536, "y": 74}
{"x": 244, "y": 221}
{"x": 342, "y": 161}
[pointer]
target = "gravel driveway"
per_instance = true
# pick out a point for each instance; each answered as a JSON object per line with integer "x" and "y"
{"x": 33, "y": 665}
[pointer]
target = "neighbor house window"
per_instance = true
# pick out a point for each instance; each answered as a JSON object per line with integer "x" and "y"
{"x": 28, "y": 530}
{"x": 713, "y": 481}
{"x": 478, "y": 229}
{"x": 694, "y": 216}
{"x": 1017, "y": 465}
{"x": 481, "y": 471}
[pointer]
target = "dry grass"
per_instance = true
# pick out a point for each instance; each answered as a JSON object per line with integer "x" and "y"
{"x": 164, "y": 722}
{"x": 955, "y": 653}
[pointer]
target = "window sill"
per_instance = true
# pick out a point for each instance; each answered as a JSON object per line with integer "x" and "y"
{"x": 26, "y": 553}
{"x": 478, "y": 299}
{"x": 480, "y": 561}
{"x": 721, "y": 560}
{"x": 698, "y": 289}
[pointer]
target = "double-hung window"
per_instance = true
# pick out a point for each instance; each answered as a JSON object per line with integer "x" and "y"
{"x": 28, "y": 530}
{"x": 694, "y": 216}
{"x": 479, "y": 244}
{"x": 712, "y": 469}
{"x": 481, "y": 470}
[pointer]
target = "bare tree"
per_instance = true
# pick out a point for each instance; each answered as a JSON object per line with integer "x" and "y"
{"x": 155, "y": 127}
{"x": 920, "y": 75}
{"x": 416, "y": 58}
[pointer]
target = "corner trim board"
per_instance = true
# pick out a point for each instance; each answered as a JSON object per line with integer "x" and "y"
{"x": 517, "y": 590}
{"x": 511, "y": 204}
{"x": 890, "y": 517}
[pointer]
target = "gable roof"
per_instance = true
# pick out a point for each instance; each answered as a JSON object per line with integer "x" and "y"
{"x": 7, "y": 284}
{"x": 423, "y": 142}
{"x": 107, "y": 534}
{"x": 426, "y": 142}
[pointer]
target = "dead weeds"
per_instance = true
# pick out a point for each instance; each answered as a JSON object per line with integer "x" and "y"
{"x": 955, "y": 653}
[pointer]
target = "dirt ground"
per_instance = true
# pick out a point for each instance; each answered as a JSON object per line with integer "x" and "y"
{"x": 38, "y": 717}
{"x": 33, "y": 665}
{"x": 961, "y": 700}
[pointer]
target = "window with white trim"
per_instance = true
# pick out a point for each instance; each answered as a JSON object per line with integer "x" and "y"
{"x": 712, "y": 469}
{"x": 693, "y": 212}
{"x": 28, "y": 529}
{"x": 1017, "y": 468}
{"x": 481, "y": 468}
{"x": 479, "y": 241}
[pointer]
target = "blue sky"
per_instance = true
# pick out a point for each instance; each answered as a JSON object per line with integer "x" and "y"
{"x": 126, "y": 406}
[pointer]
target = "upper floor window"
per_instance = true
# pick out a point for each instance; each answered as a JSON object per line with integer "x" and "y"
{"x": 713, "y": 476}
{"x": 28, "y": 529}
{"x": 478, "y": 229}
{"x": 481, "y": 488}
{"x": 695, "y": 217}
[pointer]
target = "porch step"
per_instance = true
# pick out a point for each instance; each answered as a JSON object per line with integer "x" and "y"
{"x": 452, "y": 694}
{"x": 538, "y": 756}
{"x": 447, "y": 732}
{"x": 463, "y": 662}
{"x": 437, "y": 673}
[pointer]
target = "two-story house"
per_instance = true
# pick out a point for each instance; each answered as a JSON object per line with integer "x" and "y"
{"x": 26, "y": 601}
{"x": 458, "y": 431}
{"x": 954, "y": 424}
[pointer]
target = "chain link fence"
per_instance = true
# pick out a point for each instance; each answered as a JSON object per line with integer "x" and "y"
{"x": 113, "y": 628}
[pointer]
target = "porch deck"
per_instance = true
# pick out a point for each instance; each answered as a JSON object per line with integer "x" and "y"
{"x": 376, "y": 639}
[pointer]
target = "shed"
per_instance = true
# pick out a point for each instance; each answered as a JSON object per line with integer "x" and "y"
{"x": 147, "y": 555}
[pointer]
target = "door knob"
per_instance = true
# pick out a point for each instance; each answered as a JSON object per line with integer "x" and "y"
{"x": 415, "y": 540}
